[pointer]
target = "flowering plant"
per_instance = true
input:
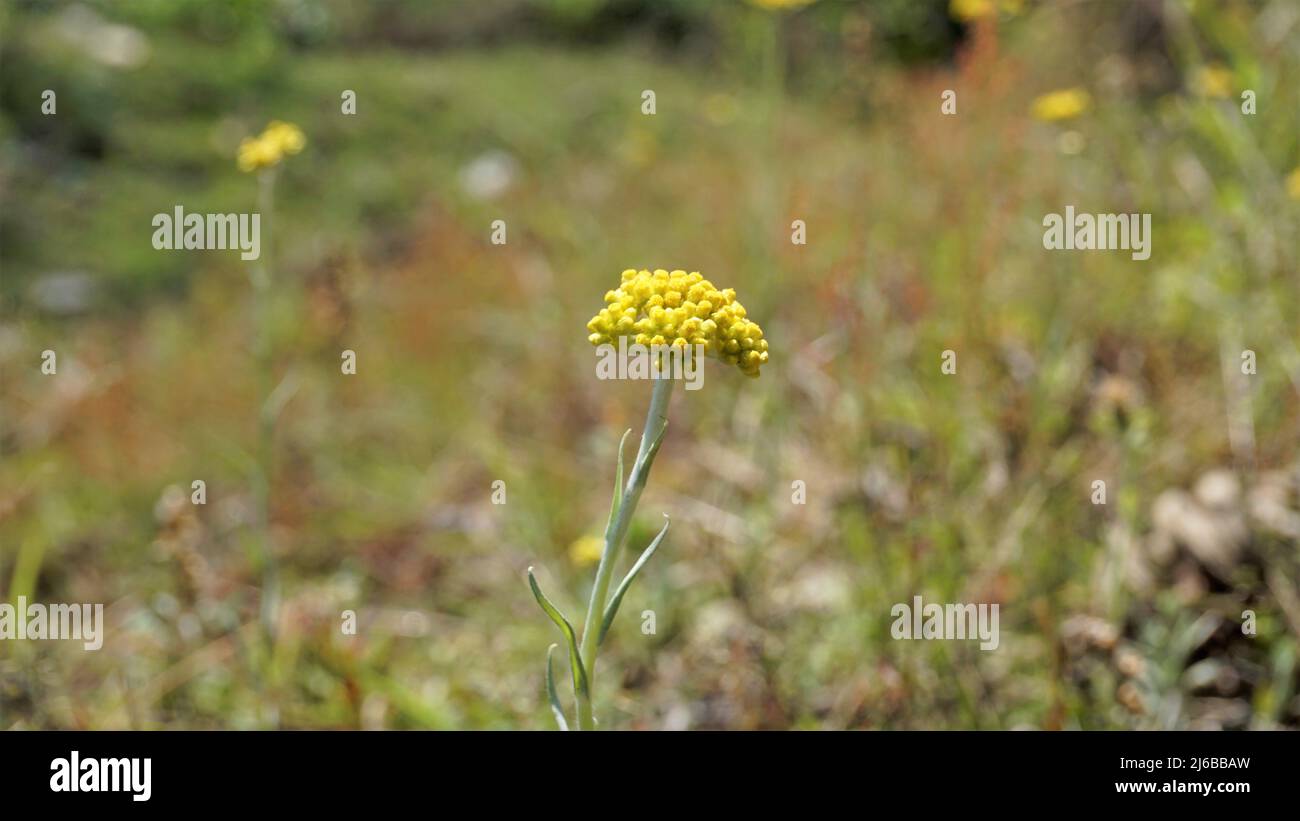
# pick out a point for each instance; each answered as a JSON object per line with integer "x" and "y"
{"x": 261, "y": 155}
{"x": 661, "y": 308}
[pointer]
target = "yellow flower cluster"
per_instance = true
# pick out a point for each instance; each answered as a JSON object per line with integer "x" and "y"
{"x": 271, "y": 146}
{"x": 678, "y": 308}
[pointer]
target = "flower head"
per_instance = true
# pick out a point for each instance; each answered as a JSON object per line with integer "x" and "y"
{"x": 678, "y": 308}
{"x": 272, "y": 145}
{"x": 1065, "y": 104}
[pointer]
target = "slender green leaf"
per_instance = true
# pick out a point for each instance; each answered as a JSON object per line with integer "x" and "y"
{"x": 642, "y": 467}
{"x": 618, "y": 487}
{"x": 575, "y": 660}
{"x": 614, "y": 602}
{"x": 550, "y": 690}
{"x": 654, "y": 446}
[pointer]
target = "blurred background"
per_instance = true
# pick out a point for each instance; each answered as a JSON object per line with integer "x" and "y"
{"x": 372, "y": 492}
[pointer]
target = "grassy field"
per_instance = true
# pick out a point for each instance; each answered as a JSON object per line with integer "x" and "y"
{"x": 924, "y": 235}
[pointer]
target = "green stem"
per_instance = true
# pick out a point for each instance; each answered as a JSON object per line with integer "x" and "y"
{"x": 262, "y": 351}
{"x": 655, "y": 421}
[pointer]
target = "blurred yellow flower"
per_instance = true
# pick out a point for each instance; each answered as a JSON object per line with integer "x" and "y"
{"x": 1293, "y": 184}
{"x": 678, "y": 308}
{"x": 255, "y": 153}
{"x": 781, "y": 5}
{"x": 272, "y": 145}
{"x": 1213, "y": 81}
{"x": 969, "y": 10}
{"x": 287, "y": 136}
{"x": 1063, "y": 104}
{"x": 586, "y": 551}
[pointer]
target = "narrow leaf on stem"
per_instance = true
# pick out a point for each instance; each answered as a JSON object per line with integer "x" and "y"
{"x": 550, "y": 690}
{"x": 618, "y": 487}
{"x": 641, "y": 470}
{"x": 575, "y": 660}
{"x": 614, "y": 602}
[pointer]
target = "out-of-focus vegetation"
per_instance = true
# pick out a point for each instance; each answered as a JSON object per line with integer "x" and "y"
{"x": 924, "y": 235}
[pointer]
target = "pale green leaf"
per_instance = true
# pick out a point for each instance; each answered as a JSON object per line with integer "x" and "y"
{"x": 550, "y": 690}
{"x": 618, "y": 487}
{"x": 614, "y": 602}
{"x": 575, "y": 660}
